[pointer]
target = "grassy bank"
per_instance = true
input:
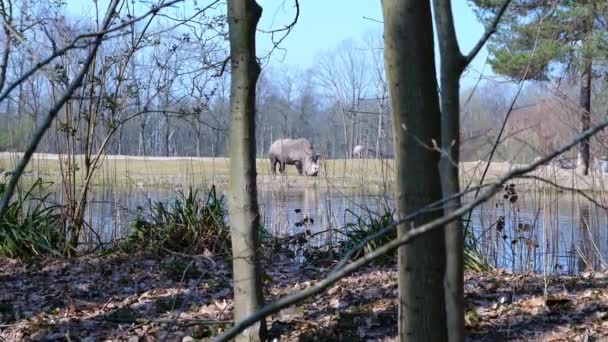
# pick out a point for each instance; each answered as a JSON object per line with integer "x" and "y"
{"x": 203, "y": 172}
{"x": 371, "y": 174}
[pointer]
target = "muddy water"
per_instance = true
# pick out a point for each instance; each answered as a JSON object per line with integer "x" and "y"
{"x": 537, "y": 232}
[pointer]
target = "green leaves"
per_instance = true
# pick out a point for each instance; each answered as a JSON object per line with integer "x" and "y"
{"x": 189, "y": 225}
{"x": 527, "y": 64}
{"x": 542, "y": 38}
{"x": 30, "y": 227}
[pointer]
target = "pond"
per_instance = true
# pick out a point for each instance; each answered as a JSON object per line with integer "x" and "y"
{"x": 541, "y": 232}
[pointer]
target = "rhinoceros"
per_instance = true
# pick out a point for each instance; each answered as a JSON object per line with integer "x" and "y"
{"x": 298, "y": 152}
{"x": 359, "y": 151}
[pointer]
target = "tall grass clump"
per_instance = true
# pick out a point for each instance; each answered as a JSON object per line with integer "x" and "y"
{"x": 31, "y": 227}
{"x": 367, "y": 224}
{"x": 191, "y": 224}
{"x": 371, "y": 223}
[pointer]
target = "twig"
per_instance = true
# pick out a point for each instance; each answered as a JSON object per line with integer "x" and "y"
{"x": 184, "y": 255}
{"x": 374, "y": 20}
{"x": 489, "y": 31}
{"x": 287, "y": 29}
{"x": 566, "y": 188}
{"x": 223, "y": 67}
{"x": 184, "y": 322}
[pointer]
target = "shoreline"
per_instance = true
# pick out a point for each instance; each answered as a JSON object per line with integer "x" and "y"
{"x": 370, "y": 174}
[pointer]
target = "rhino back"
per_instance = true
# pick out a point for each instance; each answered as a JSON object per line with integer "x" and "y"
{"x": 296, "y": 149}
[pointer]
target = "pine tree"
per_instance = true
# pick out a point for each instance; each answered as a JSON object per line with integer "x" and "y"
{"x": 546, "y": 39}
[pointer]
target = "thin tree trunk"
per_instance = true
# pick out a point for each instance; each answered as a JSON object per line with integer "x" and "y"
{"x": 452, "y": 65}
{"x": 263, "y": 144}
{"x": 20, "y": 98}
{"x": 213, "y": 135}
{"x": 142, "y": 143}
{"x": 243, "y": 16}
{"x": 412, "y": 84}
{"x": 198, "y": 143}
{"x": 347, "y": 152}
{"x": 8, "y": 41}
{"x": 167, "y": 137}
{"x": 120, "y": 136}
{"x": 378, "y": 152}
{"x": 352, "y": 133}
{"x": 585, "y": 109}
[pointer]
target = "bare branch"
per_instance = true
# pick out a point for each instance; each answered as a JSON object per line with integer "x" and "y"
{"x": 374, "y": 20}
{"x": 489, "y": 31}
{"x": 566, "y": 188}
{"x": 169, "y": 113}
{"x": 287, "y": 29}
{"x": 10, "y": 188}
{"x": 223, "y": 67}
{"x": 74, "y": 44}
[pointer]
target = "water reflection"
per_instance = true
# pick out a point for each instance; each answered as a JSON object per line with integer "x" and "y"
{"x": 540, "y": 231}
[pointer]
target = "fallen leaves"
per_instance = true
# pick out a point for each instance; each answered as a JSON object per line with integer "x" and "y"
{"x": 143, "y": 298}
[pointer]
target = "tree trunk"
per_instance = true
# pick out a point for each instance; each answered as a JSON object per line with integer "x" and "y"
{"x": 352, "y": 145}
{"x": 243, "y": 16}
{"x": 452, "y": 65}
{"x": 141, "y": 148}
{"x": 412, "y": 85}
{"x": 585, "y": 109}
{"x": 120, "y": 136}
{"x": 347, "y": 152}
{"x": 167, "y": 137}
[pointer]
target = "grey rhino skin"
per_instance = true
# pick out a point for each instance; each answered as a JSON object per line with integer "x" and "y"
{"x": 298, "y": 152}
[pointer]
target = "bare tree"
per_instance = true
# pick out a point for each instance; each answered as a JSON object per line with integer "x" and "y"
{"x": 344, "y": 75}
{"x": 381, "y": 92}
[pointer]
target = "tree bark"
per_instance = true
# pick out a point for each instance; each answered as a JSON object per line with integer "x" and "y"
{"x": 167, "y": 137}
{"x": 141, "y": 147}
{"x": 243, "y": 16}
{"x": 6, "y": 14}
{"x": 412, "y": 85}
{"x": 378, "y": 153}
{"x": 452, "y": 65}
{"x": 585, "y": 109}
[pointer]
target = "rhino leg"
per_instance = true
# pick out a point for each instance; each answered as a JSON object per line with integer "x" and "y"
{"x": 273, "y": 165}
{"x": 299, "y": 167}
{"x": 282, "y": 167}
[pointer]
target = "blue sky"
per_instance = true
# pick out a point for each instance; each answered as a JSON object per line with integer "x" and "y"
{"x": 323, "y": 24}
